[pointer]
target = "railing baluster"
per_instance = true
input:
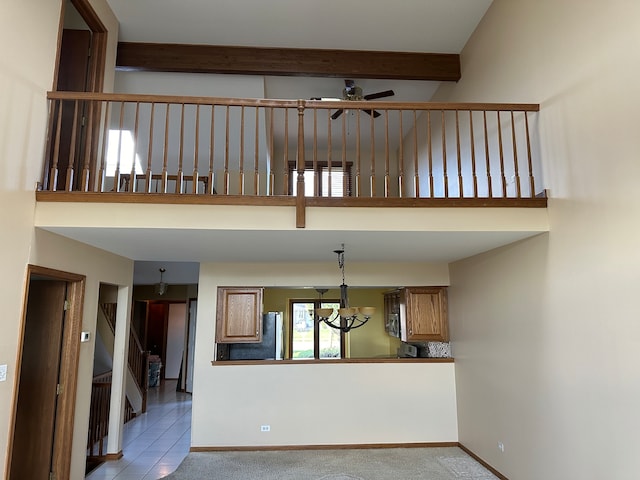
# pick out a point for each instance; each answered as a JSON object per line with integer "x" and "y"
{"x": 132, "y": 175}
{"x": 315, "y": 152}
{"x": 386, "y": 150}
{"x": 72, "y": 149}
{"x": 225, "y": 177}
{"x": 486, "y": 154}
{"x": 444, "y": 156}
{"x": 516, "y": 173}
{"x": 400, "y": 157}
{"x": 195, "y": 176}
{"x": 286, "y": 185}
{"x": 88, "y": 144}
{"x": 343, "y": 161}
{"x": 474, "y": 173}
{"x": 256, "y": 168}
{"x": 416, "y": 175}
{"x": 430, "y": 149}
{"x": 358, "y": 186}
{"x": 372, "y": 172}
{"x": 212, "y": 152}
{"x": 329, "y": 158}
{"x": 502, "y": 174}
{"x": 532, "y": 192}
{"x": 179, "y": 173}
{"x": 116, "y": 175}
{"x": 165, "y": 155}
{"x": 105, "y": 140}
{"x": 460, "y": 184}
{"x": 148, "y": 174}
{"x": 53, "y": 183}
{"x": 272, "y": 175}
{"x": 241, "y": 159}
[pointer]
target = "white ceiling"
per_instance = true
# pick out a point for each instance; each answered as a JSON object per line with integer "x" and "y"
{"x": 433, "y": 26}
{"x": 436, "y": 26}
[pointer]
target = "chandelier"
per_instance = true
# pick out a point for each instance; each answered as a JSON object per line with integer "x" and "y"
{"x": 161, "y": 287}
{"x": 346, "y": 318}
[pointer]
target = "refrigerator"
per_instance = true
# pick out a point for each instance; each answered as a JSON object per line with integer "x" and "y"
{"x": 272, "y": 345}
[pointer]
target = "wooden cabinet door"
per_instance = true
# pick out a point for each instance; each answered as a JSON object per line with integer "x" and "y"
{"x": 424, "y": 314}
{"x": 239, "y": 315}
{"x": 392, "y": 313}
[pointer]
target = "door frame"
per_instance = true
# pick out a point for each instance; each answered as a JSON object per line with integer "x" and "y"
{"x": 69, "y": 360}
{"x": 95, "y": 84}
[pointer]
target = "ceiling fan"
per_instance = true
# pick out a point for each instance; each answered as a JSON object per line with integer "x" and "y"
{"x": 353, "y": 92}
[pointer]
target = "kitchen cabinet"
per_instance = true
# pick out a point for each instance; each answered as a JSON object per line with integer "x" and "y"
{"x": 239, "y": 315}
{"x": 422, "y": 313}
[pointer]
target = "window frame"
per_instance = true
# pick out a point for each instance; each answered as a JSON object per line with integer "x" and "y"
{"x": 316, "y": 328}
{"x": 318, "y": 168}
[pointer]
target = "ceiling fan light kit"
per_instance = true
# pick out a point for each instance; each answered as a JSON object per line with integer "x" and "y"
{"x": 353, "y": 93}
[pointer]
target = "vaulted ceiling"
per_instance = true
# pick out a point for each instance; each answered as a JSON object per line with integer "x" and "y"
{"x": 396, "y": 40}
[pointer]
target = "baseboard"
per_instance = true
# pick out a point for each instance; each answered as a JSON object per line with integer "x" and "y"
{"x": 354, "y": 446}
{"x": 113, "y": 456}
{"x": 482, "y": 462}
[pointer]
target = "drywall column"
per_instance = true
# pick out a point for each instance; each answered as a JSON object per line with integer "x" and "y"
{"x": 120, "y": 349}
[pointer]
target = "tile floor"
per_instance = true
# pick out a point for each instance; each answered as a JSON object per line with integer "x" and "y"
{"x": 154, "y": 443}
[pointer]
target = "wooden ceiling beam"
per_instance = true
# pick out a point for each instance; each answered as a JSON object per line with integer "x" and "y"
{"x": 164, "y": 57}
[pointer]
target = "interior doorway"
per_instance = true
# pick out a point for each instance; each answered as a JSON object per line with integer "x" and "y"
{"x": 80, "y": 68}
{"x": 44, "y": 404}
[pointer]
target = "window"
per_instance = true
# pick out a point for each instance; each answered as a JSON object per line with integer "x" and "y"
{"x": 310, "y": 339}
{"x": 330, "y": 183}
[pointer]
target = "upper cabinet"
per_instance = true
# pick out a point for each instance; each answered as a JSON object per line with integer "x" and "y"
{"x": 239, "y": 315}
{"x": 422, "y": 312}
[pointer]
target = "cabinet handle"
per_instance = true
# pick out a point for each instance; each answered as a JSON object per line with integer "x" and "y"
{"x": 410, "y": 331}
{"x": 257, "y": 333}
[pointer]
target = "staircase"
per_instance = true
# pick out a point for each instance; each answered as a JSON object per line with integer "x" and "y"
{"x": 136, "y": 384}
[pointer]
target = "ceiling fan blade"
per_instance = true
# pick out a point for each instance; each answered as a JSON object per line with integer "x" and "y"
{"x": 373, "y": 113}
{"x": 336, "y": 114}
{"x": 373, "y": 96}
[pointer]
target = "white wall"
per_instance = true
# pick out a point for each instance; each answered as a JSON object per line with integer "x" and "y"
{"x": 388, "y": 403}
{"x": 546, "y": 333}
{"x": 26, "y": 74}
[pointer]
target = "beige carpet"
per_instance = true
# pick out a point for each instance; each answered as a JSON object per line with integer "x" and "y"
{"x": 367, "y": 464}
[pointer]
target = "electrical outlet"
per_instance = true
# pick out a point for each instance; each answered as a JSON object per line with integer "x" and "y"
{"x": 501, "y": 446}
{"x": 3, "y": 373}
{"x": 265, "y": 428}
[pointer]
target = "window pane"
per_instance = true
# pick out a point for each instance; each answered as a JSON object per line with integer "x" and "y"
{"x": 337, "y": 176}
{"x": 302, "y": 334}
{"x": 329, "y": 337}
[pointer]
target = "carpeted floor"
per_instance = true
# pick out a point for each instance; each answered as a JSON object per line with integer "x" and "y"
{"x": 368, "y": 464}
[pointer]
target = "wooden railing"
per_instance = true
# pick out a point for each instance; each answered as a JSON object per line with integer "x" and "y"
{"x": 99, "y": 415}
{"x": 138, "y": 358}
{"x": 257, "y": 147}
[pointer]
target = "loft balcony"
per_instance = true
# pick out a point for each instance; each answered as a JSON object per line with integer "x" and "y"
{"x": 309, "y": 163}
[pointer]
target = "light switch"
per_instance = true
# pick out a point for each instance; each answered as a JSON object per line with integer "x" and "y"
{"x": 3, "y": 373}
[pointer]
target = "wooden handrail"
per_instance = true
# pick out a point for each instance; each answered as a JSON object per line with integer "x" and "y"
{"x": 284, "y": 103}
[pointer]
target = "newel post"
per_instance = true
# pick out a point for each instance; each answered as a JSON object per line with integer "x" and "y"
{"x": 300, "y": 198}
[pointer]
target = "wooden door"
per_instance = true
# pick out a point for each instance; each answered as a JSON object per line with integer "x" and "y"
{"x": 33, "y": 441}
{"x": 72, "y": 77}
